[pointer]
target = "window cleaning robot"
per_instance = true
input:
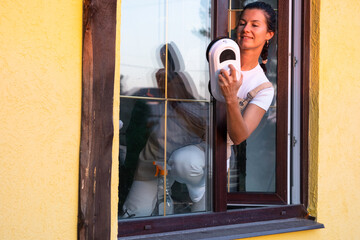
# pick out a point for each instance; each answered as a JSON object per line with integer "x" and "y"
{"x": 220, "y": 53}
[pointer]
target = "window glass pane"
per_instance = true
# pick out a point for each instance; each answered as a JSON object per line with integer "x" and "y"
{"x": 164, "y": 108}
{"x": 189, "y": 30}
{"x": 188, "y": 154}
{"x": 253, "y": 163}
{"x": 142, "y": 35}
{"x": 139, "y": 117}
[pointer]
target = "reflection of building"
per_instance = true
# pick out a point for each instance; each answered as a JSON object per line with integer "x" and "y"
{"x": 41, "y": 87}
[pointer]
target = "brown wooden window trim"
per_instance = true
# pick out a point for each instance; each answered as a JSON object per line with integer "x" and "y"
{"x": 219, "y": 132}
{"x": 305, "y": 79}
{"x": 99, "y": 26}
{"x": 175, "y": 223}
{"x": 99, "y": 32}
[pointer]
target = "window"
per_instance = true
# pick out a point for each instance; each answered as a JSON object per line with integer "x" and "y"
{"x": 259, "y": 176}
{"x": 163, "y": 73}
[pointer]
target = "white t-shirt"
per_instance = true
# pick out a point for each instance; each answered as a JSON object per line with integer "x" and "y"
{"x": 252, "y": 79}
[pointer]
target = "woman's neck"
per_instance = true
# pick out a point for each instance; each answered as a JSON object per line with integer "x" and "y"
{"x": 249, "y": 59}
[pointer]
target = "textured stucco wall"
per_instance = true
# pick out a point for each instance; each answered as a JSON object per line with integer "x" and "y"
{"x": 314, "y": 107}
{"x": 40, "y": 110}
{"x": 339, "y": 119}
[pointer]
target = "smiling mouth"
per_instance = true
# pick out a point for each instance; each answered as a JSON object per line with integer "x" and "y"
{"x": 246, "y": 37}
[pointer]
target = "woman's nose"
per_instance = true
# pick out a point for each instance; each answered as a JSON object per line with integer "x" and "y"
{"x": 246, "y": 28}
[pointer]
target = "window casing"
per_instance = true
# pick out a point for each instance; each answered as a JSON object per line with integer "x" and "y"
{"x": 96, "y": 135}
{"x": 269, "y": 137}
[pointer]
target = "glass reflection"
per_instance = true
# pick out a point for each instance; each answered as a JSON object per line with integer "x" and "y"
{"x": 142, "y": 32}
{"x": 164, "y": 108}
{"x": 151, "y": 165}
{"x": 189, "y": 27}
{"x": 139, "y": 117}
{"x": 187, "y": 147}
{"x": 185, "y": 23}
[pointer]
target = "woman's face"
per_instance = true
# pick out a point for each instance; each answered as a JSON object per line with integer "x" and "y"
{"x": 252, "y": 32}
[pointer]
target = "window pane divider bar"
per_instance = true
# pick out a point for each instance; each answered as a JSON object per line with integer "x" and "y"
{"x": 165, "y": 99}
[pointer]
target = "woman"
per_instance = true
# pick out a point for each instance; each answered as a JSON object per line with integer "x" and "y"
{"x": 255, "y": 28}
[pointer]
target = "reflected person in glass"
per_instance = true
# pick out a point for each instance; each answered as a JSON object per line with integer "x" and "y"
{"x": 186, "y": 124}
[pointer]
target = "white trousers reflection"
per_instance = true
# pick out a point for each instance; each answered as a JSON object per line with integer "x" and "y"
{"x": 187, "y": 165}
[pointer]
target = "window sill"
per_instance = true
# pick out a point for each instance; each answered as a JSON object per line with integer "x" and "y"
{"x": 237, "y": 231}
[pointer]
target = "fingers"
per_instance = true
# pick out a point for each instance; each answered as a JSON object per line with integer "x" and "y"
{"x": 232, "y": 70}
{"x": 237, "y": 76}
{"x": 227, "y": 78}
{"x": 223, "y": 76}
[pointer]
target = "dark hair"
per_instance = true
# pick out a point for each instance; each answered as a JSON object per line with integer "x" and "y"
{"x": 270, "y": 16}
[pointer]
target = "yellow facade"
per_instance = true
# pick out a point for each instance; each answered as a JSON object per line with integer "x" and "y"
{"x": 339, "y": 118}
{"x": 40, "y": 115}
{"x": 40, "y": 95}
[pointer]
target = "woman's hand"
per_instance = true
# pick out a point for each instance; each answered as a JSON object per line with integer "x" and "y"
{"x": 239, "y": 126}
{"x": 229, "y": 84}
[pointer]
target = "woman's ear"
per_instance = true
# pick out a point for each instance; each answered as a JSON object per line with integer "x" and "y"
{"x": 269, "y": 35}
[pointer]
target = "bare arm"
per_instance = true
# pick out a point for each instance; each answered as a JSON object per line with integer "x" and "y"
{"x": 239, "y": 126}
